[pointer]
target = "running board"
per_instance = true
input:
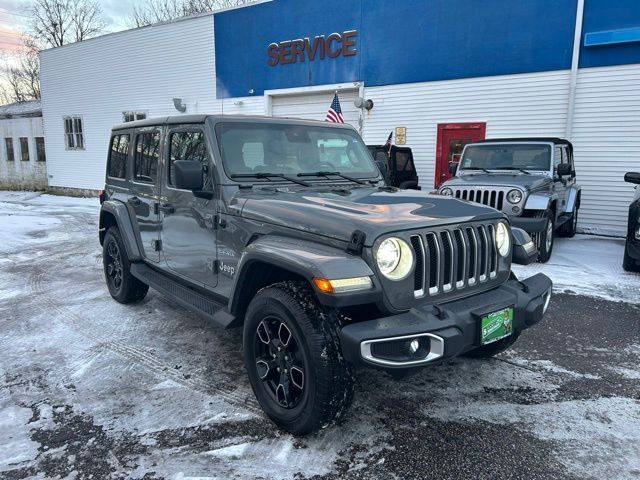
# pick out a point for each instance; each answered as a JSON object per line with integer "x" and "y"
{"x": 185, "y": 296}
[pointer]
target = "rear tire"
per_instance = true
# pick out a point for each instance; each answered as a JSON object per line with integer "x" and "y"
{"x": 123, "y": 287}
{"x": 568, "y": 228}
{"x": 544, "y": 240}
{"x": 494, "y": 348}
{"x": 294, "y": 360}
{"x": 628, "y": 263}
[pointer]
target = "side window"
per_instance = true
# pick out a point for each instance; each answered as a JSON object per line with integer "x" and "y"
{"x": 118, "y": 154}
{"x": 8, "y": 143}
{"x": 24, "y": 149}
{"x": 146, "y": 157}
{"x": 557, "y": 157}
{"x": 189, "y": 146}
{"x": 40, "y": 152}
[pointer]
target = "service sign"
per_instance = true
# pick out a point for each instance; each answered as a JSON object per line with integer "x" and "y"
{"x": 312, "y": 49}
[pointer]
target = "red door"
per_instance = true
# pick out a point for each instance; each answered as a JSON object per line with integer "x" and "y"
{"x": 452, "y": 137}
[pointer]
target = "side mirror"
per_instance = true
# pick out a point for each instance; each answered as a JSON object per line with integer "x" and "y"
{"x": 564, "y": 170}
{"x": 524, "y": 250}
{"x": 632, "y": 177}
{"x": 188, "y": 174}
{"x": 453, "y": 168}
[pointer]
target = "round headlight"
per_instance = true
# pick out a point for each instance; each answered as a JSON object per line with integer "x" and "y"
{"x": 446, "y": 191}
{"x": 503, "y": 239}
{"x": 514, "y": 196}
{"x": 394, "y": 258}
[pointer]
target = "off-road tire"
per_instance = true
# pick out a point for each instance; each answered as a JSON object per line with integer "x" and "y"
{"x": 494, "y": 348}
{"x": 544, "y": 248}
{"x": 629, "y": 264}
{"x": 328, "y": 378}
{"x": 568, "y": 228}
{"x": 129, "y": 289}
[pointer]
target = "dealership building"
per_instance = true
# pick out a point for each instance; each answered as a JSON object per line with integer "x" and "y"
{"x": 443, "y": 72}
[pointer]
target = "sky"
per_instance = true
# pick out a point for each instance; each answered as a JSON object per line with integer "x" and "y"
{"x": 14, "y": 17}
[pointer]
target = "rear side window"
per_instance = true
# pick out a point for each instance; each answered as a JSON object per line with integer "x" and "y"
{"x": 146, "y": 157}
{"x": 188, "y": 146}
{"x": 118, "y": 155}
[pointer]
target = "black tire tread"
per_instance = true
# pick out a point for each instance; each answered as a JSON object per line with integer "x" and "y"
{"x": 628, "y": 263}
{"x": 334, "y": 376}
{"x": 133, "y": 290}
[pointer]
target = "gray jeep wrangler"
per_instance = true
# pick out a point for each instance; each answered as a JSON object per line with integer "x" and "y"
{"x": 532, "y": 180}
{"x": 285, "y": 227}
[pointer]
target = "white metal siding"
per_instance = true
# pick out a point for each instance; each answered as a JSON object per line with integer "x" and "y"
{"x": 314, "y": 106}
{"x": 511, "y": 105}
{"x": 606, "y": 137}
{"x": 140, "y": 70}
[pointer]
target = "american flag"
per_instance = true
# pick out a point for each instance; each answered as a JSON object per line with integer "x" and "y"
{"x": 334, "y": 115}
{"x": 387, "y": 144}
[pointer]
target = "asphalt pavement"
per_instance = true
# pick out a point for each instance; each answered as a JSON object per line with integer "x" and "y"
{"x": 94, "y": 389}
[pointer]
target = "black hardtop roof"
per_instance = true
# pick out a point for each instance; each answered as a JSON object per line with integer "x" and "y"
{"x": 554, "y": 140}
{"x": 202, "y": 118}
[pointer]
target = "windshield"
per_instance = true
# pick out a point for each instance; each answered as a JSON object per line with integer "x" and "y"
{"x": 291, "y": 150}
{"x": 506, "y": 157}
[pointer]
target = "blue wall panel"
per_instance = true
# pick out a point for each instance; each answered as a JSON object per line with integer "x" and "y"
{"x": 398, "y": 42}
{"x": 604, "y": 15}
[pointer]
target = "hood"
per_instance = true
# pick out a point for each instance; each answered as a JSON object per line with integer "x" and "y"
{"x": 521, "y": 180}
{"x": 374, "y": 211}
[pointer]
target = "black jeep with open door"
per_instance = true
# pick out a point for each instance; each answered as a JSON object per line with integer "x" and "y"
{"x": 397, "y": 166}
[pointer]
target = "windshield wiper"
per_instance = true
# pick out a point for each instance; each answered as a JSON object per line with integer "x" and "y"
{"x": 337, "y": 174}
{"x": 476, "y": 168}
{"x": 269, "y": 176}
{"x": 515, "y": 168}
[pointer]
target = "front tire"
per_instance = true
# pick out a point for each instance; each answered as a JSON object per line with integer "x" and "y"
{"x": 569, "y": 228}
{"x": 293, "y": 358}
{"x": 123, "y": 287}
{"x": 545, "y": 239}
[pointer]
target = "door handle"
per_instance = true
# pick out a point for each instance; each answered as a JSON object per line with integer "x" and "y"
{"x": 134, "y": 201}
{"x": 167, "y": 208}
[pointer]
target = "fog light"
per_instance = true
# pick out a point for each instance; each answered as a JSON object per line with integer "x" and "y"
{"x": 414, "y": 345}
{"x": 515, "y": 209}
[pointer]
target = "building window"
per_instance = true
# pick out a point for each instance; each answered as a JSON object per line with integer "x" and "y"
{"x": 131, "y": 116}
{"x": 8, "y": 143}
{"x": 73, "y": 133}
{"x": 146, "y": 157}
{"x": 24, "y": 149}
{"x": 118, "y": 154}
{"x": 40, "y": 155}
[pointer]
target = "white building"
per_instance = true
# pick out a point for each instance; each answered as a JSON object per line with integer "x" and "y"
{"x": 449, "y": 71}
{"x": 23, "y": 159}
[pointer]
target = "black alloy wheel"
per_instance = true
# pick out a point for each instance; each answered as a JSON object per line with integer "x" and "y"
{"x": 123, "y": 286}
{"x": 280, "y": 362}
{"x": 113, "y": 265}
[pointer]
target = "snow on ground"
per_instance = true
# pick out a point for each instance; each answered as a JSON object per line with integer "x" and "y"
{"x": 92, "y": 387}
{"x": 588, "y": 265}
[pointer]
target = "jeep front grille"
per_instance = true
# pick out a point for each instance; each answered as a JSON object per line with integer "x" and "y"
{"x": 453, "y": 259}
{"x": 492, "y": 198}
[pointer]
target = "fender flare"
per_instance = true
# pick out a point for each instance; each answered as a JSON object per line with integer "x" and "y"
{"x": 573, "y": 197}
{"x": 303, "y": 258}
{"x": 120, "y": 212}
{"x": 539, "y": 201}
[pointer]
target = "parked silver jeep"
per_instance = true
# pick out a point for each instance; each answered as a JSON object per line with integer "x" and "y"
{"x": 532, "y": 180}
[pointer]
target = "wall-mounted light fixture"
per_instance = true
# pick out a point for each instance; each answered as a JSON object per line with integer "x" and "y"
{"x": 360, "y": 102}
{"x": 181, "y": 107}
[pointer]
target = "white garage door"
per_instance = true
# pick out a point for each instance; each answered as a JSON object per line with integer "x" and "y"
{"x": 314, "y": 106}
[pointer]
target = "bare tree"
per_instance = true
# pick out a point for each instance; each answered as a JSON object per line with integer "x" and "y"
{"x": 54, "y": 23}
{"x": 156, "y": 11}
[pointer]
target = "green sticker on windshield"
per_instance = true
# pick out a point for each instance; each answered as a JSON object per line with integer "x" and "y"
{"x": 496, "y": 326}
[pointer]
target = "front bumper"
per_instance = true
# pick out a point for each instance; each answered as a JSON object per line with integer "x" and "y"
{"x": 529, "y": 224}
{"x": 451, "y": 328}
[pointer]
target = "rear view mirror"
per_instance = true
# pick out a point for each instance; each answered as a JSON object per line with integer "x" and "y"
{"x": 564, "y": 170}
{"x": 632, "y": 177}
{"x": 188, "y": 174}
